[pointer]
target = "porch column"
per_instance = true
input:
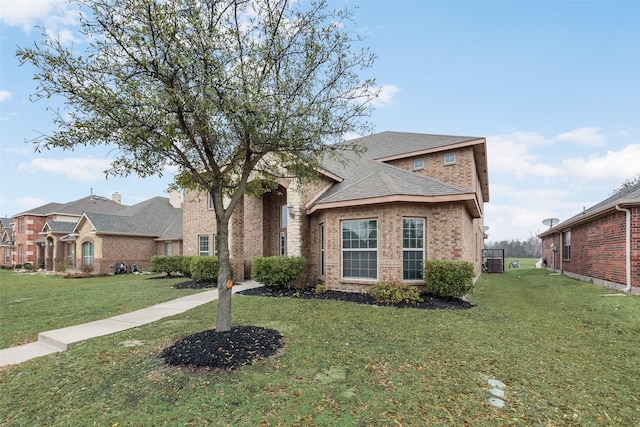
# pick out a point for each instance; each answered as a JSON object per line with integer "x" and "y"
{"x": 294, "y": 225}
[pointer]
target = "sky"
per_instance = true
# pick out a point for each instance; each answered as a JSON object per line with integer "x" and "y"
{"x": 554, "y": 87}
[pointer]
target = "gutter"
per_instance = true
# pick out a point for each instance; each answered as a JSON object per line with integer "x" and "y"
{"x": 628, "y": 246}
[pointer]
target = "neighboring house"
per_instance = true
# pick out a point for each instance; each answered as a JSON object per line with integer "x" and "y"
{"x": 600, "y": 244}
{"x": 6, "y": 242}
{"x": 29, "y": 246}
{"x": 368, "y": 218}
{"x": 99, "y": 242}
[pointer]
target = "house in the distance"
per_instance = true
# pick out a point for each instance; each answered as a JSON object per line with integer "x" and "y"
{"x": 600, "y": 244}
{"x": 6, "y": 242}
{"x": 30, "y": 246}
{"x": 95, "y": 234}
{"x": 369, "y": 218}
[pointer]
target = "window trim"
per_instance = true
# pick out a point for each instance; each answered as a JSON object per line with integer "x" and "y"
{"x": 87, "y": 259}
{"x": 421, "y": 249}
{"x": 421, "y": 166}
{"x": 566, "y": 245}
{"x": 368, "y": 249}
{"x": 200, "y": 240}
{"x": 450, "y": 162}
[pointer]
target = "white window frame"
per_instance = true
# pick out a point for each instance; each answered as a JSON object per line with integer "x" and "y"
{"x": 449, "y": 158}
{"x": 87, "y": 259}
{"x": 70, "y": 255}
{"x": 284, "y": 213}
{"x": 413, "y": 245}
{"x": 418, "y": 164}
{"x": 201, "y": 240}
{"x": 209, "y": 202}
{"x": 566, "y": 245}
{"x": 168, "y": 248}
{"x": 371, "y": 246}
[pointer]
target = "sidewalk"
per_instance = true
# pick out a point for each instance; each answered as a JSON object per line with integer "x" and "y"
{"x": 61, "y": 339}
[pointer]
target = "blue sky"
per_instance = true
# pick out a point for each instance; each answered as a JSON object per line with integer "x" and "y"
{"x": 553, "y": 86}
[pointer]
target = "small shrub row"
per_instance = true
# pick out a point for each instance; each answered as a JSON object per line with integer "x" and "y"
{"x": 448, "y": 278}
{"x": 395, "y": 293}
{"x": 197, "y": 267}
{"x": 280, "y": 271}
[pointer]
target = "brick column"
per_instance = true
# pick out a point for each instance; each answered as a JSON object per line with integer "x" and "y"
{"x": 294, "y": 225}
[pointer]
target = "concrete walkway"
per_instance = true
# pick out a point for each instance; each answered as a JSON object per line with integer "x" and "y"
{"x": 61, "y": 339}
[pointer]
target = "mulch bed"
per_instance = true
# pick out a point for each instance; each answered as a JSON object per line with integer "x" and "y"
{"x": 245, "y": 344}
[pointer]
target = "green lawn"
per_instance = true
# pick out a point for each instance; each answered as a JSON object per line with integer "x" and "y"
{"x": 31, "y": 303}
{"x": 567, "y": 354}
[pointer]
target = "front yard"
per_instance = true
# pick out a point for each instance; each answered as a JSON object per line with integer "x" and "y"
{"x": 567, "y": 355}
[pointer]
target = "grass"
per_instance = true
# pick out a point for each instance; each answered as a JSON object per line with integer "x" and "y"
{"x": 567, "y": 354}
{"x": 33, "y": 303}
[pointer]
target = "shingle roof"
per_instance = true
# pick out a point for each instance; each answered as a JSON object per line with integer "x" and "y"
{"x": 77, "y": 207}
{"x": 154, "y": 217}
{"x": 364, "y": 176}
{"x": 60, "y": 226}
{"x": 630, "y": 195}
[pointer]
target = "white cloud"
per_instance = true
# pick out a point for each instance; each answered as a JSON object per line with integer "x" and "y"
{"x": 516, "y": 154}
{"x": 4, "y": 95}
{"x": 589, "y": 136}
{"x": 385, "y": 96}
{"x": 79, "y": 169}
{"x": 613, "y": 167}
{"x": 25, "y": 203}
{"x": 26, "y": 14}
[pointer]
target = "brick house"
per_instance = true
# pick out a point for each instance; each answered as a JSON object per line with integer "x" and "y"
{"x": 6, "y": 242}
{"x": 94, "y": 232}
{"x": 130, "y": 236}
{"x": 27, "y": 243}
{"x": 600, "y": 244}
{"x": 369, "y": 218}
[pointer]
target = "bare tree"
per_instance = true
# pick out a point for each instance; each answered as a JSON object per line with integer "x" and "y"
{"x": 225, "y": 91}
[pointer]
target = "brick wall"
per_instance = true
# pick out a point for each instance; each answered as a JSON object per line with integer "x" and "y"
{"x": 26, "y": 231}
{"x": 598, "y": 249}
{"x": 448, "y": 235}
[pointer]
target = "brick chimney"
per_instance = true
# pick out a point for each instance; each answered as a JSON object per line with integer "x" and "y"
{"x": 116, "y": 197}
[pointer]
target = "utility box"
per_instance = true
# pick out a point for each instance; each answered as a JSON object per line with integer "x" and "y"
{"x": 493, "y": 260}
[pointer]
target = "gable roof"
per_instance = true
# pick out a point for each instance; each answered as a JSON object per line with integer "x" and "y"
{"x": 152, "y": 218}
{"x": 626, "y": 197}
{"x": 366, "y": 178}
{"x": 91, "y": 203}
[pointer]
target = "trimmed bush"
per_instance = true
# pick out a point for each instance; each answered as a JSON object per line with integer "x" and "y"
{"x": 186, "y": 264}
{"x": 395, "y": 293}
{"x": 27, "y": 266}
{"x": 168, "y": 264}
{"x": 448, "y": 278}
{"x": 280, "y": 271}
{"x": 204, "y": 268}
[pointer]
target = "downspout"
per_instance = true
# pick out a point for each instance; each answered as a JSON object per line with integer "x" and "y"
{"x": 628, "y": 246}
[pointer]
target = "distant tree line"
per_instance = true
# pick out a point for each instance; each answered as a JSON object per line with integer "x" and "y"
{"x": 515, "y": 248}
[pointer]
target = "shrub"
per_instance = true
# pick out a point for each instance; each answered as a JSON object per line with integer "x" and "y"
{"x": 204, "y": 268}
{"x": 185, "y": 265}
{"x": 167, "y": 264}
{"x": 279, "y": 271}
{"x": 319, "y": 289}
{"x": 448, "y": 278}
{"x": 18, "y": 265}
{"x": 395, "y": 293}
{"x": 27, "y": 266}
{"x": 62, "y": 266}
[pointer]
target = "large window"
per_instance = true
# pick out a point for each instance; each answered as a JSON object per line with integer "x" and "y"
{"x": 360, "y": 249}
{"x": 87, "y": 253}
{"x": 203, "y": 245}
{"x": 412, "y": 248}
{"x": 566, "y": 239}
{"x": 70, "y": 254}
{"x": 168, "y": 248}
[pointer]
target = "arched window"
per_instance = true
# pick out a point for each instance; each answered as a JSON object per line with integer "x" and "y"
{"x": 87, "y": 253}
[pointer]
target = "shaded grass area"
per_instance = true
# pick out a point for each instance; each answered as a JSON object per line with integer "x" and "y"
{"x": 567, "y": 355}
{"x": 31, "y": 303}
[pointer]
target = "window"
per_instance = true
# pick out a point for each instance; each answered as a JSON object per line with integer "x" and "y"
{"x": 360, "y": 249}
{"x": 283, "y": 243}
{"x": 70, "y": 248}
{"x": 203, "y": 245}
{"x": 322, "y": 250}
{"x": 210, "y": 202}
{"x": 215, "y": 245}
{"x": 449, "y": 158}
{"x": 283, "y": 216}
{"x": 7, "y": 251}
{"x": 87, "y": 253}
{"x": 566, "y": 238}
{"x": 168, "y": 248}
{"x": 412, "y": 248}
{"x": 418, "y": 164}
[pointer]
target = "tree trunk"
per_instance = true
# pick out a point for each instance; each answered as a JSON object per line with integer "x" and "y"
{"x": 223, "y": 317}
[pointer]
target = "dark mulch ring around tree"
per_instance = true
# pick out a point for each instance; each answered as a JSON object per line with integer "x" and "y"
{"x": 195, "y": 284}
{"x": 240, "y": 346}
